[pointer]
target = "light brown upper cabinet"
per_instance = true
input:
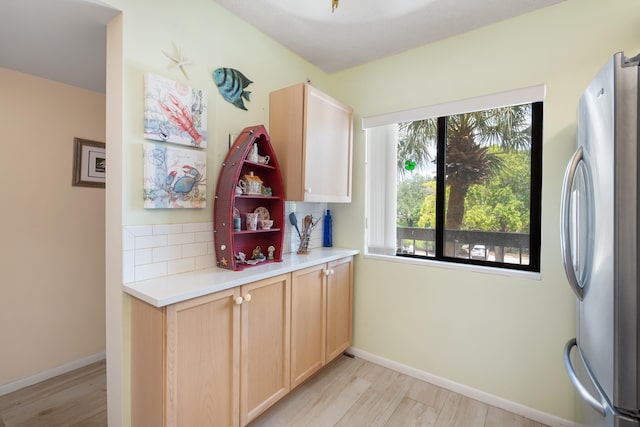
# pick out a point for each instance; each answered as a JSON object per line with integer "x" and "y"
{"x": 312, "y": 135}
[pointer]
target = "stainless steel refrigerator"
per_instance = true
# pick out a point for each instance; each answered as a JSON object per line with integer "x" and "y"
{"x": 599, "y": 237}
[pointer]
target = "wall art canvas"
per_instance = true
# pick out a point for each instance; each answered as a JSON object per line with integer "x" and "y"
{"x": 174, "y": 177}
{"x": 174, "y": 112}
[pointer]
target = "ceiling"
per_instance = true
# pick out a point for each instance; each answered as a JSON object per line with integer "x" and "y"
{"x": 64, "y": 40}
{"x": 360, "y": 31}
{"x": 60, "y": 40}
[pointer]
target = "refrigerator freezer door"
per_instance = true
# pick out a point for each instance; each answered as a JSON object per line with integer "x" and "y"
{"x": 600, "y": 232}
{"x": 593, "y": 409}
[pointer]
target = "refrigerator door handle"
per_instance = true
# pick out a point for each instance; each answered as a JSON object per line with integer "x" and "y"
{"x": 565, "y": 213}
{"x": 599, "y": 405}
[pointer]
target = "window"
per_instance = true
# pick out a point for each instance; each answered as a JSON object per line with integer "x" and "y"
{"x": 458, "y": 182}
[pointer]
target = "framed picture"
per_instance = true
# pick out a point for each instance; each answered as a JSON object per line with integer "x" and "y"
{"x": 174, "y": 112}
{"x": 89, "y": 163}
{"x": 174, "y": 177}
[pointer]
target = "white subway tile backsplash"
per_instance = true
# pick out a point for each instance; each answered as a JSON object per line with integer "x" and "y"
{"x": 194, "y": 249}
{"x": 151, "y": 271}
{"x": 140, "y": 230}
{"x": 143, "y": 256}
{"x": 197, "y": 226}
{"x": 151, "y": 251}
{"x": 181, "y": 239}
{"x": 167, "y": 228}
{"x": 128, "y": 240}
{"x": 205, "y": 261}
{"x": 167, "y": 253}
{"x": 144, "y": 242}
{"x": 183, "y": 265}
{"x": 204, "y": 236}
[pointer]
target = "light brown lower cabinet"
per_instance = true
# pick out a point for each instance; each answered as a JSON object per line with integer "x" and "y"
{"x": 321, "y": 308}
{"x": 339, "y": 307}
{"x": 224, "y": 358}
{"x": 217, "y": 360}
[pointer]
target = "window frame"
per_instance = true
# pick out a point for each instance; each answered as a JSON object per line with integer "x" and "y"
{"x": 535, "y": 97}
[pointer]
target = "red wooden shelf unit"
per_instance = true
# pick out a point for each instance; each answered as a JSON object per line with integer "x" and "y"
{"x": 230, "y": 202}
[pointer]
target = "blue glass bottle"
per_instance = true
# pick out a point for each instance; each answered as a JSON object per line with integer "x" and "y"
{"x": 327, "y": 238}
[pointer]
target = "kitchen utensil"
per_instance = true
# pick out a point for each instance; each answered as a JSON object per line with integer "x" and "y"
{"x": 294, "y": 221}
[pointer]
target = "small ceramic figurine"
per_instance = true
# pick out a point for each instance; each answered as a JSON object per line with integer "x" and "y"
{"x": 271, "y": 250}
{"x": 257, "y": 254}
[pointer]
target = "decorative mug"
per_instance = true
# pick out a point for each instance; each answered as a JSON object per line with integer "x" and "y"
{"x": 252, "y": 221}
{"x": 250, "y": 187}
{"x": 266, "y": 224}
{"x": 263, "y": 159}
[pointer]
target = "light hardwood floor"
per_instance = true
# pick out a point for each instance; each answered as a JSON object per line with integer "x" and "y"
{"x": 356, "y": 393}
{"x": 347, "y": 393}
{"x": 77, "y": 398}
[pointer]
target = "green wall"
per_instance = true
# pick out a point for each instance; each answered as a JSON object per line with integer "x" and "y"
{"x": 210, "y": 37}
{"x": 501, "y": 335}
{"x": 498, "y": 334}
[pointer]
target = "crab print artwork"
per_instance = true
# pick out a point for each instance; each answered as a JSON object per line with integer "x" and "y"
{"x": 174, "y": 177}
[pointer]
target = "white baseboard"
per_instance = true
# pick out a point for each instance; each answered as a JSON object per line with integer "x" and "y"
{"x": 489, "y": 399}
{"x": 50, "y": 373}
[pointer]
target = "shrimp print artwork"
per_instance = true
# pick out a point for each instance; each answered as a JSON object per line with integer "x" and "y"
{"x": 174, "y": 112}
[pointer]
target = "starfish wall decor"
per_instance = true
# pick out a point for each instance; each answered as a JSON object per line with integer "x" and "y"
{"x": 179, "y": 61}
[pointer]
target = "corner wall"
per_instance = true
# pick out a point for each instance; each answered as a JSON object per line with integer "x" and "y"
{"x": 501, "y": 335}
{"x": 52, "y": 257}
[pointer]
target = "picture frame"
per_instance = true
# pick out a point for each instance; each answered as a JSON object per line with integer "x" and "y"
{"x": 89, "y": 163}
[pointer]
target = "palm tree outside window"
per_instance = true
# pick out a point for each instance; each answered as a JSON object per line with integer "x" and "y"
{"x": 467, "y": 185}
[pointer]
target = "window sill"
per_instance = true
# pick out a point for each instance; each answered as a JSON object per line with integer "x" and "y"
{"x": 453, "y": 266}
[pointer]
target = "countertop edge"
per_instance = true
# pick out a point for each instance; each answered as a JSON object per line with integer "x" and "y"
{"x": 172, "y": 289}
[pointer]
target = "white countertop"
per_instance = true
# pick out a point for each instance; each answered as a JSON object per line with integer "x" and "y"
{"x": 180, "y": 287}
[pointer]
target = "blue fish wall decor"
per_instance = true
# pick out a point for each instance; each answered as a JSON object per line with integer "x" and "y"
{"x": 231, "y": 84}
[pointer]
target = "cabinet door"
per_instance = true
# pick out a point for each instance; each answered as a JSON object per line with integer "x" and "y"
{"x": 286, "y": 128}
{"x": 339, "y": 307}
{"x": 203, "y": 361}
{"x": 265, "y": 340}
{"x": 307, "y": 322}
{"x": 327, "y": 173}
{"x": 147, "y": 364}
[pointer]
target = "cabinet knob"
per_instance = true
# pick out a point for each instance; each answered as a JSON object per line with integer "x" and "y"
{"x": 307, "y": 190}
{"x": 332, "y": 271}
{"x": 327, "y": 272}
{"x": 238, "y": 300}
{"x": 247, "y": 297}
